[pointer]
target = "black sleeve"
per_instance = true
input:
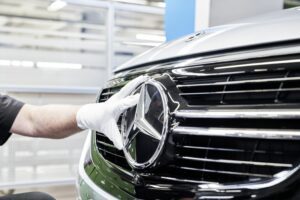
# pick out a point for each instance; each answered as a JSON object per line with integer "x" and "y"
{"x": 9, "y": 109}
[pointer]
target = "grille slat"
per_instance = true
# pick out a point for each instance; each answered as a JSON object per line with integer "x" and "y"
{"x": 236, "y": 162}
{"x": 239, "y": 133}
{"x": 229, "y": 150}
{"x": 280, "y": 80}
{"x": 242, "y": 91}
{"x": 105, "y": 144}
{"x": 109, "y": 152}
{"x": 177, "y": 180}
{"x": 240, "y": 113}
{"x": 224, "y": 172}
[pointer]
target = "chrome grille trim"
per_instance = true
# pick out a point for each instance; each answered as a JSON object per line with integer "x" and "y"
{"x": 236, "y": 162}
{"x": 241, "y": 91}
{"x": 105, "y": 144}
{"x": 240, "y": 113}
{"x": 181, "y": 180}
{"x": 101, "y": 149}
{"x": 238, "y": 132}
{"x": 107, "y": 93}
{"x": 241, "y": 82}
{"x": 226, "y": 149}
{"x": 260, "y": 64}
{"x": 225, "y": 172}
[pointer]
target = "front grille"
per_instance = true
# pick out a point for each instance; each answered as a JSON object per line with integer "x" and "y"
{"x": 239, "y": 124}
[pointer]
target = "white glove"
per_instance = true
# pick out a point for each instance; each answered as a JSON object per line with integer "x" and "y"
{"x": 102, "y": 117}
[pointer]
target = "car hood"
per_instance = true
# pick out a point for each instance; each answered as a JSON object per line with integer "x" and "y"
{"x": 273, "y": 27}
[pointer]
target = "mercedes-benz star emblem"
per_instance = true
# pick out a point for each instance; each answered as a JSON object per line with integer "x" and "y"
{"x": 144, "y": 127}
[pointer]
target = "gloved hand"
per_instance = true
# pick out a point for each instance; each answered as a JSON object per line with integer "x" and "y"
{"x": 102, "y": 117}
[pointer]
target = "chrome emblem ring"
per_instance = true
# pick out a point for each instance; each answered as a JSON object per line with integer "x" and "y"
{"x": 144, "y": 127}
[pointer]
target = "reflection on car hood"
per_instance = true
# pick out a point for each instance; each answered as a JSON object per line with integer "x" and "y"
{"x": 273, "y": 27}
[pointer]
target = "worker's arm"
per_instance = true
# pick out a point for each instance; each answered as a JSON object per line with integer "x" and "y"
{"x": 50, "y": 121}
{"x": 59, "y": 121}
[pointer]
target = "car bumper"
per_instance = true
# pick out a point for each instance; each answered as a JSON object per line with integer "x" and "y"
{"x": 87, "y": 189}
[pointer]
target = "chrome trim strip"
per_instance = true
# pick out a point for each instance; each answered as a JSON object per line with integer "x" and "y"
{"x": 106, "y": 151}
{"x": 107, "y": 93}
{"x": 261, "y": 63}
{"x": 241, "y": 91}
{"x": 278, "y": 178}
{"x": 227, "y": 149}
{"x": 241, "y": 82}
{"x": 106, "y": 144}
{"x": 236, "y": 162}
{"x": 241, "y": 113}
{"x": 185, "y": 180}
{"x": 216, "y": 197}
{"x": 226, "y": 172}
{"x": 85, "y": 177}
{"x": 236, "y": 132}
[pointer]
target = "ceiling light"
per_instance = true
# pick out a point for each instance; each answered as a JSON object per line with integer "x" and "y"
{"x": 4, "y": 62}
{"x": 27, "y": 64}
{"x": 158, "y": 4}
{"x": 56, "y": 5}
{"x": 155, "y": 38}
{"x": 134, "y": 1}
{"x": 15, "y": 63}
{"x": 150, "y": 44}
{"x": 54, "y": 65}
{"x": 161, "y": 4}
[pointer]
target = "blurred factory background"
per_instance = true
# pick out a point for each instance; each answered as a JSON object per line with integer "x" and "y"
{"x": 61, "y": 52}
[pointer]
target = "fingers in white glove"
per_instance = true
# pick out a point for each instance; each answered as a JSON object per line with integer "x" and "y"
{"x": 131, "y": 86}
{"x": 111, "y": 130}
{"x": 126, "y": 103}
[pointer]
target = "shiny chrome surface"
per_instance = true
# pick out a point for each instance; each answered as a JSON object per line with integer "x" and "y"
{"x": 240, "y": 113}
{"x": 237, "y": 162}
{"x": 240, "y": 91}
{"x": 221, "y": 188}
{"x": 148, "y": 125}
{"x": 242, "y": 82}
{"x": 184, "y": 180}
{"x": 226, "y": 172}
{"x": 239, "y": 132}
